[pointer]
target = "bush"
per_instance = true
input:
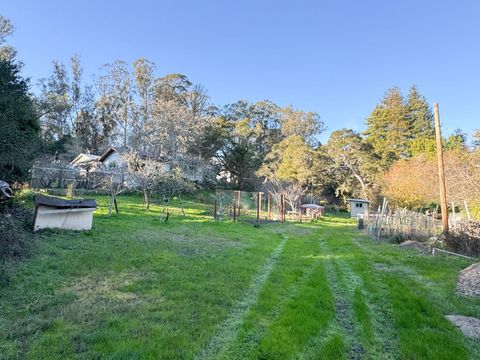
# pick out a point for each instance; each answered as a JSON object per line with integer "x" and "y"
{"x": 15, "y": 236}
{"x": 465, "y": 239}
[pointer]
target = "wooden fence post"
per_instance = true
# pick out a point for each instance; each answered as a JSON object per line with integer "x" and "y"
{"x": 237, "y": 195}
{"x": 269, "y": 197}
{"x": 259, "y": 206}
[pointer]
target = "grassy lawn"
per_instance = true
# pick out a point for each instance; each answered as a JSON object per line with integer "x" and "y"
{"x": 135, "y": 288}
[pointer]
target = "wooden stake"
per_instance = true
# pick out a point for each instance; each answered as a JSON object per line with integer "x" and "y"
{"x": 238, "y": 202}
{"x": 441, "y": 170}
{"x": 454, "y": 215}
{"x": 466, "y": 209}
{"x": 269, "y": 198}
{"x": 259, "y": 206}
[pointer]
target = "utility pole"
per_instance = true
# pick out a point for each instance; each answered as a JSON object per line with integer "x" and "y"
{"x": 441, "y": 169}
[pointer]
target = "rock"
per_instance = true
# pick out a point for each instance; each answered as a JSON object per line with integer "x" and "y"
{"x": 470, "y": 326}
{"x": 469, "y": 281}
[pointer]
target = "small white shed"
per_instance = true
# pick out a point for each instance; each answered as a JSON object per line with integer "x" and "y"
{"x": 53, "y": 212}
{"x": 358, "y": 207}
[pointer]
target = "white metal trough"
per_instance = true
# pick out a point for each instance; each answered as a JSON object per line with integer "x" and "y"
{"x": 53, "y": 212}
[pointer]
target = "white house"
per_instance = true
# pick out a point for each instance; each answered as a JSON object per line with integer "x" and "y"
{"x": 110, "y": 158}
{"x": 84, "y": 162}
{"x": 358, "y": 207}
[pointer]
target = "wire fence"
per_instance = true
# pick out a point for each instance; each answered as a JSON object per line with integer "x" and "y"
{"x": 259, "y": 207}
{"x": 402, "y": 225}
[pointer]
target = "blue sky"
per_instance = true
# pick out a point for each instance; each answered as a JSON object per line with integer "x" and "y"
{"x": 333, "y": 57}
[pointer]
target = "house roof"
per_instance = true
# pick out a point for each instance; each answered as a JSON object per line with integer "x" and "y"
{"x": 106, "y": 154}
{"x": 359, "y": 200}
{"x": 84, "y": 158}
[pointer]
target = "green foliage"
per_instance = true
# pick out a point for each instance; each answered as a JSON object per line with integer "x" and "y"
{"x": 388, "y": 130}
{"x": 354, "y": 164}
{"x": 456, "y": 141}
{"x": 290, "y": 160}
{"x": 398, "y": 127}
{"x": 419, "y": 115}
{"x": 19, "y": 125}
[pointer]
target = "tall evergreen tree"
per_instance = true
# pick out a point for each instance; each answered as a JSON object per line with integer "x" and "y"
{"x": 388, "y": 128}
{"x": 19, "y": 125}
{"x": 420, "y": 115}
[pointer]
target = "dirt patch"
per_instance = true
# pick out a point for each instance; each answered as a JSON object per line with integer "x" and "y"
{"x": 469, "y": 281}
{"x": 94, "y": 295}
{"x": 468, "y": 325}
{"x": 416, "y": 245}
{"x": 382, "y": 267}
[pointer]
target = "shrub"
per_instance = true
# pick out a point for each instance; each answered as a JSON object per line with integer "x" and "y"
{"x": 465, "y": 239}
{"x": 15, "y": 241}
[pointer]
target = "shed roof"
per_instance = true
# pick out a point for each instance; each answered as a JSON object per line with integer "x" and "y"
{"x": 63, "y": 203}
{"x": 311, "y": 206}
{"x": 359, "y": 200}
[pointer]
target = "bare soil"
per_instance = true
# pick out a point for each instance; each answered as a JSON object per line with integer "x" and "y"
{"x": 468, "y": 283}
{"x": 470, "y": 326}
{"x": 419, "y": 246}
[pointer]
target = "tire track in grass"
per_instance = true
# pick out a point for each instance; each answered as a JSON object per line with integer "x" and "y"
{"x": 248, "y": 342}
{"x": 304, "y": 318}
{"x": 397, "y": 274}
{"x": 372, "y": 333}
{"x": 227, "y": 332}
{"x": 295, "y": 267}
{"x": 344, "y": 313}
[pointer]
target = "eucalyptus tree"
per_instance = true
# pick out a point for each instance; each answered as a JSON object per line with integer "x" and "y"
{"x": 117, "y": 89}
{"x": 307, "y": 125}
{"x": 7, "y": 52}
{"x": 67, "y": 105}
{"x": 144, "y": 79}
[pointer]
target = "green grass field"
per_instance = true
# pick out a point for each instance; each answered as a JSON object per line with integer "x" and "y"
{"x": 136, "y": 288}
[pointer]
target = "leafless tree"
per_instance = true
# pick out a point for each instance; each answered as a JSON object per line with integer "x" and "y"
{"x": 116, "y": 88}
{"x": 143, "y": 174}
{"x": 293, "y": 191}
{"x": 113, "y": 180}
{"x": 171, "y": 185}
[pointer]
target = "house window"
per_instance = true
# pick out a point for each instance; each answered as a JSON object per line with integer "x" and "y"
{"x": 358, "y": 205}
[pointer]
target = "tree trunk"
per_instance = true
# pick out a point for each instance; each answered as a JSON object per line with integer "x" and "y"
{"x": 182, "y": 207}
{"x": 146, "y": 197}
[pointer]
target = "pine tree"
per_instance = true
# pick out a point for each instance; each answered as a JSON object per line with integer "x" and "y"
{"x": 19, "y": 125}
{"x": 419, "y": 115}
{"x": 388, "y": 129}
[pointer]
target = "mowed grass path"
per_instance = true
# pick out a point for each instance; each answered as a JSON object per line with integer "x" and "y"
{"x": 135, "y": 288}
